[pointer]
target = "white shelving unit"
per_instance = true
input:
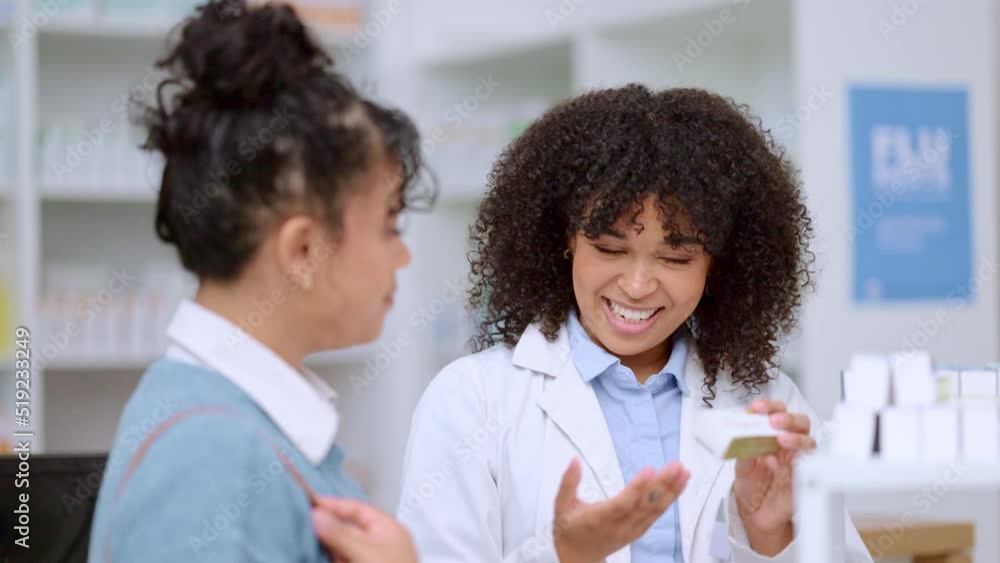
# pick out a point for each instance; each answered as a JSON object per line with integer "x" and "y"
{"x": 74, "y": 194}
{"x": 822, "y": 483}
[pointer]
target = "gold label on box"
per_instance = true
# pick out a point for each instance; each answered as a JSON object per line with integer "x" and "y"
{"x": 747, "y": 448}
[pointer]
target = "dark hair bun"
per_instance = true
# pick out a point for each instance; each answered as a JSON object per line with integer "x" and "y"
{"x": 253, "y": 120}
{"x": 243, "y": 55}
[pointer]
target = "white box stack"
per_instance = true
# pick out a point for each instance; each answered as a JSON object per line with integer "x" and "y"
{"x": 901, "y": 408}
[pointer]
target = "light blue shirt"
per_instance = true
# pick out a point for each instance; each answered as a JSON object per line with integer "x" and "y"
{"x": 644, "y": 421}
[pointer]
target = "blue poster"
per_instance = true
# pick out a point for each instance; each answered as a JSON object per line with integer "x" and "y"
{"x": 910, "y": 215}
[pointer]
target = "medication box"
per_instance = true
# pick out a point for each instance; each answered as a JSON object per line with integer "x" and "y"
{"x": 736, "y": 433}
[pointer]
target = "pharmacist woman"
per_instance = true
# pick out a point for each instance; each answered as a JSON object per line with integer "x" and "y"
{"x": 296, "y": 250}
{"x": 635, "y": 261}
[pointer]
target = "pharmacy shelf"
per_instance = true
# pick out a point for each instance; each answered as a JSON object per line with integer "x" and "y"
{"x": 100, "y": 28}
{"x": 822, "y": 482}
{"x": 603, "y": 16}
{"x": 747, "y": 17}
{"x": 90, "y": 195}
{"x": 485, "y": 51}
{"x": 467, "y": 47}
{"x": 880, "y": 475}
{"x": 109, "y": 28}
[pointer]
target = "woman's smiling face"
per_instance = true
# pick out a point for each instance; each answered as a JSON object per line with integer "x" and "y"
{"x": 632, "y": 287}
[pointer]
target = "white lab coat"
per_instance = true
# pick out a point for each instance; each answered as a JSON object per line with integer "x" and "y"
{"x": 495, "y": 431}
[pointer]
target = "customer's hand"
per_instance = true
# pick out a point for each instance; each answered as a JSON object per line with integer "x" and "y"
{"x": 763, "y": 486}
{"x": 355, "y": 532}
{"x": 587, "y": 533}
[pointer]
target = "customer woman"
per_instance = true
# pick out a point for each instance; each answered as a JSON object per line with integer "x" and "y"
{"x": 281, "y": 193}
{"x": 637, "y": 258}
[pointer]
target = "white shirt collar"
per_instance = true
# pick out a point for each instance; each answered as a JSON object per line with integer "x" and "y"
{"x": 299, "y": 402}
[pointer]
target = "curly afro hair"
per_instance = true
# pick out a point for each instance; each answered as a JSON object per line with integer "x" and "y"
{"x": 591, "y": 161}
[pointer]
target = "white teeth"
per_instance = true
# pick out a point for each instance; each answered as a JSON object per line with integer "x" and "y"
{"x": 631, "y": 315}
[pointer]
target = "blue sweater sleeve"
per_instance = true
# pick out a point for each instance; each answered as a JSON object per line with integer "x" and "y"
{"x": 212, "y": 490}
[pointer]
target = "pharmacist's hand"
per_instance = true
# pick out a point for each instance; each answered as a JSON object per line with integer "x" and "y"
{"x": 587, "y": 533}
{"x": 763, "y": 486}
{"x": 355, "y": 532}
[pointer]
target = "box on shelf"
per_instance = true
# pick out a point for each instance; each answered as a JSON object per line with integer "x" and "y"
{"x": 980, "y": 428}
{"x": 919, "y": 539}
{"x": 978, "y": 384}
{"x": 88, "y": 313}
{"x": 100, "y": 158}
{"x": 854, "y": 431}
{"x": 867, "y": 381}
{"x": 899, "y": 434}
{"x": 948, "y": 384}
{"x": 928, "y": 414}
{"x": 939, "y": 428}
{"x": 913, "y": 383}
